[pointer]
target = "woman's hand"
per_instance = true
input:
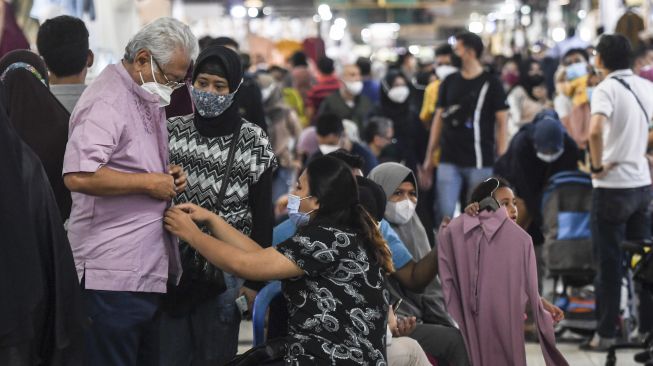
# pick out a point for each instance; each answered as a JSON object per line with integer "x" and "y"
{"x": 556, "y": 312}
{"x": 444, "y": 223}
{"x": 405, "y": 326}
{"x": 392, "y": 321}
{"x": 180, "y": 224}
{"x": 198, "y": 214}
{"x": 472, "y": 209}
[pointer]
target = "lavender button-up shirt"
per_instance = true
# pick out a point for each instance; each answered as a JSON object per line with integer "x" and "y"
{"x": 488, "y": 273}
{"x": 119, "y": 242}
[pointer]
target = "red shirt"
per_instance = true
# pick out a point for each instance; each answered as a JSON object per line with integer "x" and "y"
{"x": 325, "y": 86}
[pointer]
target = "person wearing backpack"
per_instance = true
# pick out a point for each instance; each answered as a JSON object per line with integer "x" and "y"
{"x": 621, "y": 107}
{"x": 470, "y": 126}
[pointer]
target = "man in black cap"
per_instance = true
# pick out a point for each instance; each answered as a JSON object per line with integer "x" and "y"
{"x": 538, "y": 151}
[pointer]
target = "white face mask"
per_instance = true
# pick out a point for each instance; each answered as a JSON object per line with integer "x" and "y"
{"x": 550, "y": 158}
{"x": 443, "y": 71}
{"x": 400, "y": 212}
{"x": 267, "y": 92}
{"x": 327, "y": 149}
{"x": 399, "y": 94}
{"x": 154, "y": 88}
{"x": 354, "y": 87}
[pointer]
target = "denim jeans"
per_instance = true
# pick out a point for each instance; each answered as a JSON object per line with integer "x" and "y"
{"x": 617, "y": 215}
{"x": 207, "y": 334}
{"x": 450, "y": 182}
{"x": 123, "y": 328}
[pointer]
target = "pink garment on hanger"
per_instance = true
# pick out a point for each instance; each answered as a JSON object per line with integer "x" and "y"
{"x": 12, "y": 37}
{"x": 488, "y": 274}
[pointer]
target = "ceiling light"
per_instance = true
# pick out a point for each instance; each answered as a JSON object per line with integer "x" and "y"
{"x": 238, "y": 11}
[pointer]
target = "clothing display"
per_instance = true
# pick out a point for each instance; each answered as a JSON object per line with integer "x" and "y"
{"x": 488, "y": 273}
{"x": 11, "y": 35}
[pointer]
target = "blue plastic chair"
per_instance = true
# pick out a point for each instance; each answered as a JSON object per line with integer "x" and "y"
{"x": 261, "y": 305}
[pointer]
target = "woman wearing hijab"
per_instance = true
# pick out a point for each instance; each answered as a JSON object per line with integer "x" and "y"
{"x": 527, "y": 97}
{"x": 38, "y": 117}
{"x": 434, "y": 331}
{"x": 410, "y": 134}
{"x": 284, "y": 128}
{"x": 229, "y": 163}
{"x": 41, "y": 313}
{"x": 396, "y": 105}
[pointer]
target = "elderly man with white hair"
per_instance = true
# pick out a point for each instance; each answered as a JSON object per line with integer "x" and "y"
{"x": 116, "y": 166}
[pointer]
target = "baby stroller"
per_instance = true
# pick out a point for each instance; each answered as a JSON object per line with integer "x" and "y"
{"x": 568, "y": 254}
{"x": 639, "y": 262}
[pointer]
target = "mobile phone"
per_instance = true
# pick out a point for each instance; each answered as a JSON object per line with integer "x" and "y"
{"x": 241, "y": 303}
{"x": 397, "y": 304}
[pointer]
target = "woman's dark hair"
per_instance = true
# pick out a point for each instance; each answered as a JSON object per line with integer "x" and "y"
{"x": 529, "y": 82}
{"x": 353, "y": 161}
{"x": 484, "y": 190}
{"x": 615, "y": 51}
{"x": 332, "y": 183}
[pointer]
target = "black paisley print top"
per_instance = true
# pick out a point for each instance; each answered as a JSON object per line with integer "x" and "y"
{"x": 338, "y": 310}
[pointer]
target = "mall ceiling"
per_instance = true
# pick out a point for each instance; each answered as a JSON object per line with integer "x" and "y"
{"x": 306, "y": 8}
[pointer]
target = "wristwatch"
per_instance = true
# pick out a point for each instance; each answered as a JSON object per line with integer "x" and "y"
{"x": 596, "y": 170}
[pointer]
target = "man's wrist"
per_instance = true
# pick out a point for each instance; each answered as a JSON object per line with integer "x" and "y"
{"x": 596, "y": 170}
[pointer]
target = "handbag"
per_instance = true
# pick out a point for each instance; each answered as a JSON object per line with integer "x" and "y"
{"x": 197, "y": 268}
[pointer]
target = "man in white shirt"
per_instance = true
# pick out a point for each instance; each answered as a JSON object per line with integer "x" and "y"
{"x": 621, "y": 107}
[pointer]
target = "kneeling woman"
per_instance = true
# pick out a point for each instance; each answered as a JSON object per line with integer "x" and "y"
{"x": 333, "y": 269}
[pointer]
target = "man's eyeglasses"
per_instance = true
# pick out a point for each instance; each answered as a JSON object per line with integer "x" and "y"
{"x": 174, "y": 85}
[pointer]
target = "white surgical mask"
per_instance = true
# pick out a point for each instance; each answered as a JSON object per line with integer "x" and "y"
{"x": 327, "y": 149}
{"x": 443, "y": 71}
{"x": 164, "y": 92}
{"x": 298, "y": 218}
{"x": 398, "y": 94}
{"x": 550, "y": 158}
{"x": 400, "y": 212}
{"x": 267, "y": 92}
{"x": 354, "y": 87}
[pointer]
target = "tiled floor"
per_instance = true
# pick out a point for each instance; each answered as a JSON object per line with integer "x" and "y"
{"x": 576, "y": 357}
{"x": 533, "y": 352}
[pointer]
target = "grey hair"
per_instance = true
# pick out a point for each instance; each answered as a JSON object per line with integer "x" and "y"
{"x": 377, "y": 126}
{"x": 162, "y": 37}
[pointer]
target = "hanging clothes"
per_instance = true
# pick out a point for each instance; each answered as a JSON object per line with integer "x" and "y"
{"x": 11, "y": 36}
{"x": 488, "y": 273}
